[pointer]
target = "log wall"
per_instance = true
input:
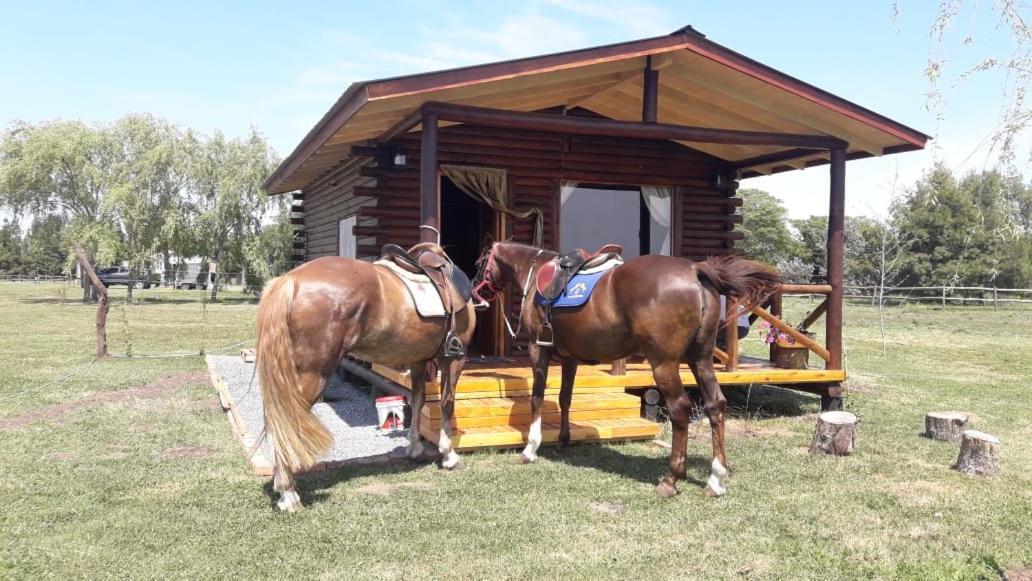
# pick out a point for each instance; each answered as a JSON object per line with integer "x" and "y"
{"x": 386, "y": 199}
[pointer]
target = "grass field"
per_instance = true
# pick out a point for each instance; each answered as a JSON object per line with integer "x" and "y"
{"x": 127, "y": 469}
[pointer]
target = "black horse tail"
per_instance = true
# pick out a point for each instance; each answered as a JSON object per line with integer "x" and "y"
{"x": 747, "y": 282}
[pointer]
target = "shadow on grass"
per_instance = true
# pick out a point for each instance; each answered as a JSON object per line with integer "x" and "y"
{"x": 769, "y": 401}
{"x": 314, "y": 487}
{"x": 613, "y": 459}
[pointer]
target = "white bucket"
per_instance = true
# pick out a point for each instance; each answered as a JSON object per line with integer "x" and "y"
{"x": 390, "y": 412}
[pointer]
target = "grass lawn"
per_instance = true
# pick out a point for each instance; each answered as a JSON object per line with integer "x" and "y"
{"x": 127, "y": 468}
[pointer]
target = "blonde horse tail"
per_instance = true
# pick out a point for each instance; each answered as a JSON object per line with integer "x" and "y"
{"x": 297, "y": 435}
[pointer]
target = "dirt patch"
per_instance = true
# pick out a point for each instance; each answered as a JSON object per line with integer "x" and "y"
{"x": 756, "y": 429}
{"x": 859, "y": 383}
{"x": 185, "y": 452}
{"x": 607, "y": 507}
{"x": 1018, "y": 574}
{"x": 58, "y": 413}
{"x": 382, "y": 489}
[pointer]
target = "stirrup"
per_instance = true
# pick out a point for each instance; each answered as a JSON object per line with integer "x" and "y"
{"x": 545, "y": 339}
{"x": 453, "y": 346}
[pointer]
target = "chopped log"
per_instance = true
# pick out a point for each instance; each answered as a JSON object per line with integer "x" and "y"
{"x": 945, "y": 426}
{"x": 979, "y": 454}
{"x": 835, "y": 434}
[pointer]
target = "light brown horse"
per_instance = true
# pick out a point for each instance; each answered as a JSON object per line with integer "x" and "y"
{"x": 661, "y": 307}
{"x": 310, "y": 319}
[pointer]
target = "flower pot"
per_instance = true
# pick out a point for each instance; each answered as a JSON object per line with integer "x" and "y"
{"x": 791, "y": 355}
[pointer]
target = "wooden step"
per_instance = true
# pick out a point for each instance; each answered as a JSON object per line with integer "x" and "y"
{"x": 582, "y": 431}
{"x": 517, "y": 411}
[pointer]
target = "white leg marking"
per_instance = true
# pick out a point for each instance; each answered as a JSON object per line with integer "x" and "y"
{"x": 716, "y": 481}
{"x": 449, "y": 459}
{"x": 289, "y": 501}
{"x": 533, "y": 440}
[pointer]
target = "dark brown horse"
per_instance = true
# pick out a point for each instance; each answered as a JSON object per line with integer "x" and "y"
{"x": 310, "y": 319}
{"x": 661, "y": 307}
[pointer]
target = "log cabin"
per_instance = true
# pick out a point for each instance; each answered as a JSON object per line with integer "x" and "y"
{"x": 643, "y": 143}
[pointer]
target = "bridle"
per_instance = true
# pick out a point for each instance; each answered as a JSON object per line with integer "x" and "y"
{"x": 486, "y": 292}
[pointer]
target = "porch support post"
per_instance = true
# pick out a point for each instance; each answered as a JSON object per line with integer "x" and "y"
{"x": 429, "y": 213}
{"x": 650, "y": 93}
{"x": 836, "y": 245}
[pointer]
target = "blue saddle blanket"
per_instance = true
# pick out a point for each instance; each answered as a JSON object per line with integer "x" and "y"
{"x": 580, "y": 287}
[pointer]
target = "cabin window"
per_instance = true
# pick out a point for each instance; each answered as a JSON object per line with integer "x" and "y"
{"x": 636, "y": 217}
{"x": 347, "y": 245}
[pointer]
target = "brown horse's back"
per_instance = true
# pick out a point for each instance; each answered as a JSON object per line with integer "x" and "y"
{"x": 644, "y": 306}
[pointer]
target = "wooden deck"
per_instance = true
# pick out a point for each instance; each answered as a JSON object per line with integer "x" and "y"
{"x": 512, "y": 377}
{"x": 492, "y": 407}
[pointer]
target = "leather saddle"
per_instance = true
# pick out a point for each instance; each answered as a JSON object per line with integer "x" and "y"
{"x": 553, "y": 276}
{"x": 422, "y": 259}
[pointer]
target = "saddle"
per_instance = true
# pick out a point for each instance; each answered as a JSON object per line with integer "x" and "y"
{"x": 553, "y": 276}
{"x": 451, "y": 283}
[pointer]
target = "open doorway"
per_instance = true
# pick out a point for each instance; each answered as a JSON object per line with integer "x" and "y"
{"x": 467, "y": 227}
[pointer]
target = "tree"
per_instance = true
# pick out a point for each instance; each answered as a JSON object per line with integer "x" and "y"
{"x": 45, "y": 247}
{"x": 146, "y": 179}
{"x": 1015, "y": 64}
{"x": 765, "y": 225}
{"x": 226, "y": 191}
{"x": 270, "y": 253}
{"x": 10, "y": 248}
{"x": 813, "y": 237}
{"x": 961, "y": 231}
{"x": 64, "y": 168}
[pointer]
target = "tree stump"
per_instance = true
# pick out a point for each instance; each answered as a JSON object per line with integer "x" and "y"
{"x": 979, "y": 454}
{"x": 945, "y": 426}
{"x": 836, "y": 432}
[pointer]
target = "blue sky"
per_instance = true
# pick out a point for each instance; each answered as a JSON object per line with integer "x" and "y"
{"x": 279, "y": 66}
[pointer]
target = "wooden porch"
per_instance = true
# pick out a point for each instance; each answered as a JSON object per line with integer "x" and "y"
{"x": 492, "y": 407}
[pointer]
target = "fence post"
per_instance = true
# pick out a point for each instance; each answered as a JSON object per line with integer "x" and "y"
{"x": 995, "y": 298}
{"x": 944, "y": 296}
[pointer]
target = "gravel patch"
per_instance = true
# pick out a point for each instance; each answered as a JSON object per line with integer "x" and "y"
{"x": 348, "y": 412}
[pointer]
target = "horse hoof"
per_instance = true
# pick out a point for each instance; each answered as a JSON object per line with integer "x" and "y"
{"x": 525, "y": 459}
{"x": 289, "y": 502}
{"x": 714, "y": 489}
{"x": 416, "y": 451}
{"x": 451, "y": 461}
{"x": 666, "y": 490}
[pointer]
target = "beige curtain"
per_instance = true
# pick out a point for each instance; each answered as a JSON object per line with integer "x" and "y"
{"x": 489, "y": 185}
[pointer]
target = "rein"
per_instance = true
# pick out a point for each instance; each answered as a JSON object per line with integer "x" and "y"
{"x": 487, "y": 284}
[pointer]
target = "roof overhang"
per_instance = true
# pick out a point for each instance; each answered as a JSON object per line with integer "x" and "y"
{"x": 701, "y": 84}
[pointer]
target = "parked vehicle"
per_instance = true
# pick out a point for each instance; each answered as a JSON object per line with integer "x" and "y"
{"x": 119, "y": 275}
{"x": 190, "y": 276}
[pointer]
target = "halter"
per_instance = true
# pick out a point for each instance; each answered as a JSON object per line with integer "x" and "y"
{"x": 486, "y": 284}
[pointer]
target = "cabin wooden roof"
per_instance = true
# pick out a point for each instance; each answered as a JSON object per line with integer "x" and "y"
{"x": 701, "y": 83}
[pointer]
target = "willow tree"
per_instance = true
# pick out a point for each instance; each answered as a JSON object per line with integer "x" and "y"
{"x": 146, "y": 180}
{"x": 226, "y": 177}
{"x": 61, "y": 167}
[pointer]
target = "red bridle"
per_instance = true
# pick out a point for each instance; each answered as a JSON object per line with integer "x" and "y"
{"x": 485, "y": 290}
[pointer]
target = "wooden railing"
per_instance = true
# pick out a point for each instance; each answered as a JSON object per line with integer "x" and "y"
{"x": 770, "y": 311}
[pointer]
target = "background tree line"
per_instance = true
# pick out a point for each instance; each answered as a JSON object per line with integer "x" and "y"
{"x": 135, "y": 191}
{"x": 974, "y": 230}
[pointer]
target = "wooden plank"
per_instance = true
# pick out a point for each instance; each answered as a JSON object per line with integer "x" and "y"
{"x": 588, "y": 430}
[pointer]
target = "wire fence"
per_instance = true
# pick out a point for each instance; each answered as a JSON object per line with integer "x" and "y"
{"x": 159, "y": 322}
{"x": 944, "y": 295}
